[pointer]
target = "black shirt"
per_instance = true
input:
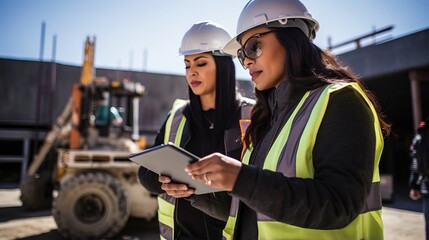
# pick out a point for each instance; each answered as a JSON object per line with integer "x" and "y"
{"x": 191, "y": 223}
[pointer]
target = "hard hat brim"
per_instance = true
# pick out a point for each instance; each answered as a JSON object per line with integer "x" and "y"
{"x": 231, "y": 47}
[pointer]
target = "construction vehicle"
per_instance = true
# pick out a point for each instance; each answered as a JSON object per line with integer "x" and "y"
{"x": 82, "y": 170}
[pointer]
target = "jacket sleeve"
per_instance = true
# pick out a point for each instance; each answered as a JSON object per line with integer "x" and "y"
{"x": 147, "y": 178}
{"x": 213, "y": 204}
{"x": 414, "y": 182}
{"x": 343, "y": 159}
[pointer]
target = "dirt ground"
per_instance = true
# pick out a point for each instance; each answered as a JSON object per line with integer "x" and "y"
{"x": 15, "y": 223}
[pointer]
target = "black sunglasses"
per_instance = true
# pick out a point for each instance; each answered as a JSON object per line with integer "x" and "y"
{"x": 251, "y": 48}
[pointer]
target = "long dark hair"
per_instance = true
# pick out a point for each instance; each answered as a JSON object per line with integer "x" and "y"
{"x": 226, "y": 99}
{"x": 305, "y": 62}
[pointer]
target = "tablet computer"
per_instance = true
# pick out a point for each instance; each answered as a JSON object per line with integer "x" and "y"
{"x": 170, "y": 160}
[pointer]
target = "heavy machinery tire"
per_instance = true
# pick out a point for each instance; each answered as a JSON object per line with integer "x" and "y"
{"x": 36, "y": 191}
{"x": 91, "y": 205}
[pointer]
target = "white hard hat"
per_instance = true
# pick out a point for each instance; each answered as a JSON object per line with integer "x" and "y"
{"x": 204, "y": 36}
{"x": 273, "y": 13}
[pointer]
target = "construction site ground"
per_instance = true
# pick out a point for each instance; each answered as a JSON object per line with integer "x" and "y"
{"x": 15, "y": 223}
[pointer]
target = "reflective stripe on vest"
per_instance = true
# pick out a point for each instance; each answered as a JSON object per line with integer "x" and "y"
{"x": 175, "y": 122}
{"x": 173, "y": 133}
{"x": 174, "y": 128}
{"x": 296, "y": 141}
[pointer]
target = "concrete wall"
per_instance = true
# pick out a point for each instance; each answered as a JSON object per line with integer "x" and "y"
{"x": 386, "y": 68}
{"x": 398, "y": 55}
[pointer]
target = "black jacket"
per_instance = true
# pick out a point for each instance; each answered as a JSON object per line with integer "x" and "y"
{"x": 417, "y": 181}
{"x": 343, "y": 159}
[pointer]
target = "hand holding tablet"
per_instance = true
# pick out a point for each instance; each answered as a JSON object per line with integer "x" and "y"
{"x": 171, "y": 160}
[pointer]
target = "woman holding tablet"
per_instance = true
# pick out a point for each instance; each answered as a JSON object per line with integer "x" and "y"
{"x": 208, "y": 122}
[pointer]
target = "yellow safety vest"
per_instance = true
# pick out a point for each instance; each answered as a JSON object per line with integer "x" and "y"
{"x": 174, "y": 128}
{"x": 296, "y": 141}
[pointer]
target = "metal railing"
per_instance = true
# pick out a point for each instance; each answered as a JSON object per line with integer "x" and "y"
{"x": 358, "y": 40}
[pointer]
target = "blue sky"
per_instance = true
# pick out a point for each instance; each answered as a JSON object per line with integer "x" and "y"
{"x": 144, "y": 35}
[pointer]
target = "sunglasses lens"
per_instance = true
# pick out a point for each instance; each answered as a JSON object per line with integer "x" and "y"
{"x": 251, "y": 48}
{"x": 240, "y": 56}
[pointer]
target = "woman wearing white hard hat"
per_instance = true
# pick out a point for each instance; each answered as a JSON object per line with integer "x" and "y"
{"x": 206, "y": 123}
{"x": 315, "y": 137}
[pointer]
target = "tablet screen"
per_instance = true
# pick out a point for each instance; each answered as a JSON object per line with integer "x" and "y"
{"x": 171, "y": 160}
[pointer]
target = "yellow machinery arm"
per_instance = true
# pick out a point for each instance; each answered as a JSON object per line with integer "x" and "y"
{"x": 73, "y": 108}
{"x": 82, "y": 91}
{"x": 51, "y": 138}
{"x": 88, "y": 70}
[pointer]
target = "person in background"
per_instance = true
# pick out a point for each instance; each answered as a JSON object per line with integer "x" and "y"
{"x": 206, "y": 123}
{"x": 315, "y": 139}
{"x": 419, "y": 169}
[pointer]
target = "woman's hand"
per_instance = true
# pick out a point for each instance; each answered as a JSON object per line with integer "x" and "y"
{"x": 217, "y": 170}
{"x": 176, "y": 190}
